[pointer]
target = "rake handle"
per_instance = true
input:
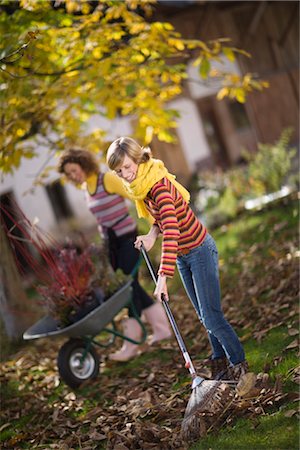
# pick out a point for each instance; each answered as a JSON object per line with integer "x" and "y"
{"x": 169, "y": 313}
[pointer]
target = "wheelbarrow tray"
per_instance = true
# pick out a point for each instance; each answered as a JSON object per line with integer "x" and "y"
{"x": 89, "y": 325}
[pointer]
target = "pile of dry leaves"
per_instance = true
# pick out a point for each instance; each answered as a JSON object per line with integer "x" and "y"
{"x": 134, "y": 412}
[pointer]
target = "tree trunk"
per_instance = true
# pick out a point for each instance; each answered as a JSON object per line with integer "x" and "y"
{"x": 14, "y": 303}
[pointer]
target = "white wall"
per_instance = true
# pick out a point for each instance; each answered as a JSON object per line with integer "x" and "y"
{"x": 35, "y": 204}
{"x": 190, "y": 132}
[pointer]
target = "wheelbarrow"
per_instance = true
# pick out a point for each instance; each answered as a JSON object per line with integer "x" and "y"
{"x": 78, "y": 360}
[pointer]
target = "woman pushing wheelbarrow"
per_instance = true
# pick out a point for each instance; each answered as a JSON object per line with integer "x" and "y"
{"x": 105, "y": 197}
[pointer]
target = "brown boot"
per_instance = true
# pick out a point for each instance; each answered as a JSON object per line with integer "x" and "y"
{"x": 219, "y": 369}
{"x": 237, "y": 371}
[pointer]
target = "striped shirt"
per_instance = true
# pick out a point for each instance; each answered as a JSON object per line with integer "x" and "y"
{"x": 110, "y": 210}
{"x": 178, "y": 224}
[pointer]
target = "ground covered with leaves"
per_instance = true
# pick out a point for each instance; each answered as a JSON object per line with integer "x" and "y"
{"x": 140, "y": 404}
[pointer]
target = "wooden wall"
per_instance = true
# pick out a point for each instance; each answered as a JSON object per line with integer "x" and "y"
{"x": 269, "y": 31}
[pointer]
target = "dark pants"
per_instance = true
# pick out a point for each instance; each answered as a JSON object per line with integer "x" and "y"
{"x": 123, "y": 255}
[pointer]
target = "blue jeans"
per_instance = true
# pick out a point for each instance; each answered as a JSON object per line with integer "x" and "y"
{"x": 200, "y": 276}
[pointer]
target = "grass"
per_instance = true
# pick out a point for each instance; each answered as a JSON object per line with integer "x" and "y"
{"x": 19, "y": 428}
{"x": 255, "y": 228}
{"x": 266, "y": 354}
{"x": 270, "y": 432}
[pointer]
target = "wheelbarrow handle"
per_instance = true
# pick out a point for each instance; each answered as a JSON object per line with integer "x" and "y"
{"x": 188, "y": 362}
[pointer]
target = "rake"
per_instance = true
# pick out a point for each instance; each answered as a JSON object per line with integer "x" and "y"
{"x": 208, "y": 397}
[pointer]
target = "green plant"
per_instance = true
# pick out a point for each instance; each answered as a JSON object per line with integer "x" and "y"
{"x": 269, "y": 167}
{"x": 228, "y": 204}
{"x": 222, "y": 195}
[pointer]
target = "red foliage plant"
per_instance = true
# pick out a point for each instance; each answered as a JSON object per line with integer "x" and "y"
{"x": 66, "y": 273}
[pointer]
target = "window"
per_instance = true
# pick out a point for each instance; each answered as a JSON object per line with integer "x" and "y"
{"x": 59, "y": 201}
{"x": 239, "y": 115}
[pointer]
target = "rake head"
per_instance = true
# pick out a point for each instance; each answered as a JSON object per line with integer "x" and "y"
{"x": 207, "y": 401}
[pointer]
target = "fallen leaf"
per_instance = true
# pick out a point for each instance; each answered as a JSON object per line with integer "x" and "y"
{"x": 293, "y": 331}
{"x": 292, "y": 345}
{"x": 291, "y": 413}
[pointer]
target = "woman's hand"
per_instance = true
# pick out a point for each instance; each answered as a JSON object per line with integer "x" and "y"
{"x": 161, "y": 288}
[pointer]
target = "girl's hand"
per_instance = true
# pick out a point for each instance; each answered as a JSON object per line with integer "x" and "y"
{"x": 161, "y": 288}
{"x": 147, "y": 240}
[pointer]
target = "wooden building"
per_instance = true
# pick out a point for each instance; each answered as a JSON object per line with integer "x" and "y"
{"x": 269, "y": 31}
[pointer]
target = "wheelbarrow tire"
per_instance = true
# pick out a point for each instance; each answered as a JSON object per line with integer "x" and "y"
{"x": 71, "y": 368}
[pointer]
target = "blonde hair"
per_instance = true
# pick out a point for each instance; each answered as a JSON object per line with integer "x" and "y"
{"x": 126, "y": 146}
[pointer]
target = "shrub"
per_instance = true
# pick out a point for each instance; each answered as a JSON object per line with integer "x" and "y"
{"x": 270, "y": 166}
{"x": 221, "y": 195}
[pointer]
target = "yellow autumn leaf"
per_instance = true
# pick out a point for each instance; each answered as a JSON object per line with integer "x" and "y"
{"x": 85, "y": 8}
{"x": 165, "y": 136}
{"x": 177, "y": 43}
{"x": 133, "y": 4}
{"x": 158, "y": 26}
{"x": 145, "y": 51}
{"x": 240, "y": 95}
{"x": 222, "y": 93}
{"x": 84, "y": 117}
{"x": 228, "y": 52}
{"x": 75, "y": 35}
{"x": 164, "y": 77}
{"x": 117, "y": 35}
{"x": 197, "y": 61}
{"x": 74, "y": 73}
{"x": 148, "y": 135}
{"x": 247, "y": 78}
{"x": 72, "y": 6}
{"x": 234, "y": 78}
{"x": 115, "y": 11}
{"x": 136, "y": 28}
{"x": 97, "y": 53}
{"x": 176, "y": 77}
{"x": 95, "y": 17}
{"x": 20, "y": 132}
{"x": 168, "y": 26}
{"x": 13, "y": 101}
{"x": 66, "y": 22}
{"x": 163, "y": 95}
{"x": 137, "y": 58}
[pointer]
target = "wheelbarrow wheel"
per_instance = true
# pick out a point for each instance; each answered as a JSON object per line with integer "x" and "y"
{"x": 76, "y": 364}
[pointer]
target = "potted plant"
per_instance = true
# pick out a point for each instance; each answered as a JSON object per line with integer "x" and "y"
{"x": 80, "y": 281}
{"x": 71, "y": 279}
